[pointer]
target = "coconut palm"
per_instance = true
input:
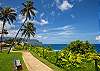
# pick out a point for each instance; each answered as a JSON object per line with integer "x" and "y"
{"x": 28, "y": 13}
{"x": 28, "y": 30}
{"x": 7, "y": 14}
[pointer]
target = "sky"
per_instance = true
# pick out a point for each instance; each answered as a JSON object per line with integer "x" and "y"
{"x": 60, "y": 21}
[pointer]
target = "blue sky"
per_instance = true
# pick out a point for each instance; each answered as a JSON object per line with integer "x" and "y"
{"x": 61, "y": 21}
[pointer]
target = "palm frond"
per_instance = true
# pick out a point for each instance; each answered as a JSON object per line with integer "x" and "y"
{"x": 27, "y": 9}
{"x": 8, "y": 14}
{"x": 28, "y": 30}
{"x": 32, "y": 12}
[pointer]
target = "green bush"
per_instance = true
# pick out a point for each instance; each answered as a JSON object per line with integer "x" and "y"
{"x": 18, "y": 47}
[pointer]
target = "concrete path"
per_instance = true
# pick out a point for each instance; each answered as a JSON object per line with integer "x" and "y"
{"x": 33, "y": 64}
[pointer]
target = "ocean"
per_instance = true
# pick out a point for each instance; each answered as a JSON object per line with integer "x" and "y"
{"x": 61, "y": 46}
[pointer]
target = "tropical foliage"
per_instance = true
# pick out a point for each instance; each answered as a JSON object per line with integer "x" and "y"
{"x": 78, "y": 55}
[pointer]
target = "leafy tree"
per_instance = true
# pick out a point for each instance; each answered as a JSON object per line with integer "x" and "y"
{"x": 81, "y": 47}
{"x": 76, "y": 54}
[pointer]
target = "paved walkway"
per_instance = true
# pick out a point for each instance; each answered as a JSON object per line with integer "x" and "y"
{"x": 33, "y": 64}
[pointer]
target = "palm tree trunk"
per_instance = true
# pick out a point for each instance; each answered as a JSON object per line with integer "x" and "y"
{"x": 24, "y": 42}
{"x": 1, "y": 43}
{"x": 20, "y": 28}
{"x": 17, "y": 34}
{"x": 2, "y": 34}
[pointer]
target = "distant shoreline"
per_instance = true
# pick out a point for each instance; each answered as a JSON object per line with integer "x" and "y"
{"x": 58, "y": 47}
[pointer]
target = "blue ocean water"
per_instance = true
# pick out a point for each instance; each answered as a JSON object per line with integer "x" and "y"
{"x": 97, "y": 47}
{"x": 61, "y": 46}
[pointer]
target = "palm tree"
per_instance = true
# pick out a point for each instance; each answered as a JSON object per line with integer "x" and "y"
{"x": 7, "y": 14}
{"x": 28, "y": 13}
{"x": 28, "y": 30}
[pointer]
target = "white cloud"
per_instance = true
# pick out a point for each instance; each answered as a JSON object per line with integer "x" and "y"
{"x": 43, "y": 22}
{"x": 66, "y": 27}
{"x": 59, "y": 31}
{"x": 10, "y": 28}
{"x": 12, "y": 33}
{"x": 36, "y": 22}
{"x": 65, "y": 5}
{"x": 56, "y": 34}
{"x": 35, "y": 11}
{"x": 44, "y": 30}
{"x": 42, "y": 14}
{"x": 65, "y": 33}
{"x": 98, "y": 37}
{"x": 64, "y": 30}
{"x": 21, "y": 18}
{"x": 45, "y": 37}
{"x": 38, "y": 36}
{"x": 7, "y": 26}
{"x": 1, "y": 25}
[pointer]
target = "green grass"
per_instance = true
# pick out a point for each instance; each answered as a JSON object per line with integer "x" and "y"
{"x": 52, "y": 66}
{"x": 7, "y": 61}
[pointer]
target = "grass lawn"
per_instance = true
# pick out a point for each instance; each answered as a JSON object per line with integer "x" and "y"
{"x": 7, "y": 61}
{"x": 52, "y": 66}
